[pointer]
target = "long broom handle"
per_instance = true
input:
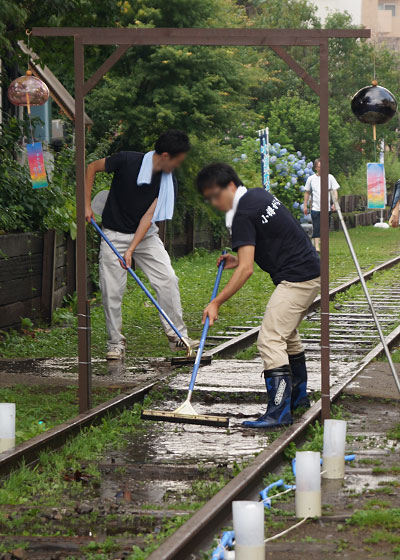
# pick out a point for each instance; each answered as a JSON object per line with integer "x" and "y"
{"x": 138, "y": 281}
{"x": 367, "y": 295}
{"x": 205, "y": 330}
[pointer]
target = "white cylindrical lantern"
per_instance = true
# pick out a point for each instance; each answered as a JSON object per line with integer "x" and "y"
{"x": 248, "y": 525}
{"x": 308, "y": 484}
{"x": 7, "y": 426}
{"x": 334, "y": 444}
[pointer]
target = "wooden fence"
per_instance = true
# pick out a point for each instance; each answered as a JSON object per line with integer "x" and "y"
{"x": 36, "y": 271}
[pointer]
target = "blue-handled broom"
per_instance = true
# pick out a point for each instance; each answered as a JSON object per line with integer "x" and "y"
{"x": 186, "y": 413}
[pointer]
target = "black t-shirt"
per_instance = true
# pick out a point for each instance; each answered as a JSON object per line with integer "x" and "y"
{"x": 282, "y": 248}
{"x": 128, "y": 201}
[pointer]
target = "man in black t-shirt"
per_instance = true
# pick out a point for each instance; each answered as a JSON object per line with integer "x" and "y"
{"x": 135, "y": 201}
{"x": 265, "y": 232}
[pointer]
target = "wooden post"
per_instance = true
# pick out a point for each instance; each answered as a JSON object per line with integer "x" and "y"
{"x": 48, "y": 274}
{"x": 71, "y": 265}
{"x": 84, "y": 356}
{"x": 324, "y": 155}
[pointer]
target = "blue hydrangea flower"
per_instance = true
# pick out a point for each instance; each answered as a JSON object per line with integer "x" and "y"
{"x": 283, "y": 151}
{"x": 272, "y": 159}
{"x": 296, "y": 205}
{"x": 235, "y": 159}
{"x": 299, "y": 154}
{"x": 243, "y": 156}
{"x": 277, "y": 146}
{"x": 291, "y": 157}
{"x": 294, "y": 180}
{"x": 310, "y": 165}
{"x": 302, "y": 188}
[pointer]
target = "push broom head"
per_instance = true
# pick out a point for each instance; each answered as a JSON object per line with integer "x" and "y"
{"x": 186, "y": 414}
{"x": 189, "y": 360}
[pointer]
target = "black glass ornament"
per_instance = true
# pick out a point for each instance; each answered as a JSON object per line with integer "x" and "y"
{"x": 374, "y": 105}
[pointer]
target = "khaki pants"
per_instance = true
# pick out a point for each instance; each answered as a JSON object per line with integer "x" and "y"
{"x": 278, "y": 337}
{"x": 152, "y": 257}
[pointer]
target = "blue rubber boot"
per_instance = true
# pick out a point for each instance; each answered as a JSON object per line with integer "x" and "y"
{"x": 279, "y": 387}
{"x": 299, "y": 381}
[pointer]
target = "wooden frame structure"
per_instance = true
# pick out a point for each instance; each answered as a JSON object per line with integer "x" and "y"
{"x": 277, "y": 40}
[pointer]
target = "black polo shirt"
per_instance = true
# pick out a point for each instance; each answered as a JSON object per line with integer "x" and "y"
{"x": 282, "y": 248}
{"x": 128, "y": 202}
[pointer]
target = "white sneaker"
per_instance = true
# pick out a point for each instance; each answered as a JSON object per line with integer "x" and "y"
{"x": 177, "y": 345}
{"x": 116, "y": 353}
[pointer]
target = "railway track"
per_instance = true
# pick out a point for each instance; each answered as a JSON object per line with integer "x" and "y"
{"x": 167, "y": 471}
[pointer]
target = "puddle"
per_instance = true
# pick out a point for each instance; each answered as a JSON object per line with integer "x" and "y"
{"x": 154, "y": 492}
{"x": 65, "y": 371}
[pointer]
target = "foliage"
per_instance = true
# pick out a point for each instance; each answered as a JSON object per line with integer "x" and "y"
{"x": 288, "y": 172}
{"x": 216, "y": 94}
{"x": 23, "y": 208}
{"x": 355, "y": 182}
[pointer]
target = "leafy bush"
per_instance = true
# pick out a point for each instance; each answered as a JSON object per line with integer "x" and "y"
{"x": 356, "y": 181}
{"x": 288, "y": 172}
{"x": 23, "y": 208}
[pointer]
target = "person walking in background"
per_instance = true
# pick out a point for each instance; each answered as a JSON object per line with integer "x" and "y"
{"x": 313, "y": 189}
{"x": 395, "y": 210}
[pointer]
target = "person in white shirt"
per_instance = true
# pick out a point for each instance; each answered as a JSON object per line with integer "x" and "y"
{"x": 313, "y": 188}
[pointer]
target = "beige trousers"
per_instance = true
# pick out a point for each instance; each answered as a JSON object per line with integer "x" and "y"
{"x": 278, "y": 337}
{"x": 151, "y": 256}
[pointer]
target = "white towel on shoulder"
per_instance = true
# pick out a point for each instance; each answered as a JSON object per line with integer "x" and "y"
{"x": 231, "y": 213}
{"x": 166, "y": 197}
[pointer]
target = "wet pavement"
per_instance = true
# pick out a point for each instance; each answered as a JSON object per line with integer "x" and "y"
{"x": 377, "y": 380}
{"x": 64, "y": 371}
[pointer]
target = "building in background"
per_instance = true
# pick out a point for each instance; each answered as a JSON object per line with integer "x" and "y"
{"x": 383, "y": 18}
{"x": 353, "y": 7}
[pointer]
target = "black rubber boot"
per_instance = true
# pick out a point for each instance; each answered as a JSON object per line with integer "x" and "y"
{"x": 278, "y": 382}
{"x": 299, "y": 381}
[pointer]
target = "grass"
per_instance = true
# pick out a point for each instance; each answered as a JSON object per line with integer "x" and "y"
{"x": 395, "y": 433}
{"x": 44, "y": 407}
{"x": 196, "y": 274}
{"x": 45, "y": 484}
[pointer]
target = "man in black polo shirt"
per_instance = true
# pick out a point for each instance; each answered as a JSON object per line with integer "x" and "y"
{"x": 143, "y": 191}
{"x": 264, "y": 231}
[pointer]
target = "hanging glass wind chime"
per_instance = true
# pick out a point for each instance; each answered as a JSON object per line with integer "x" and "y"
{"x": 27, "y": 91}
{"x": 375, "y": 105}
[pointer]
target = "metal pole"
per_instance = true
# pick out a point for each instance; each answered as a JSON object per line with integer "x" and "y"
{"x": 324, "y": 156}
{"x": 367, "y": 295}
{"x": 84, "y": 357}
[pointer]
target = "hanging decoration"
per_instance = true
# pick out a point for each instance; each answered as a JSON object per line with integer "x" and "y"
{"x": 27, "y": 91}
{"x": 36, "y": 165}
{"x": 376, "y": 185}
{"x": 264, "y": 150}
{"x": 374, "y": 105}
